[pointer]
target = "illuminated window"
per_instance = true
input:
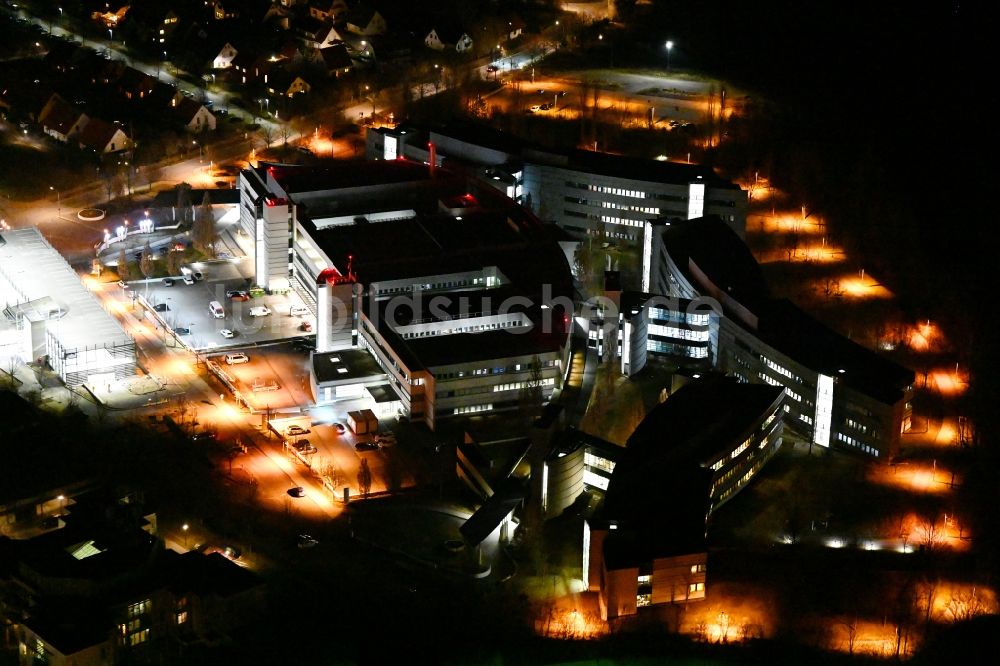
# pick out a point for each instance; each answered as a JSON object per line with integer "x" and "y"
{"x": 138, "y": 637}
{"x": 182, "y": 617}
{"x": 697, "y": 568}
{"x": 643, "y": 600}
{"x": 138, "y": 608}
{"x": 645, "y": 579}
{"x": 696, "y": 587}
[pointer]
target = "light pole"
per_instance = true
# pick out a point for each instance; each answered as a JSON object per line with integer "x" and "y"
{"x": 184, "y": 528}
{"x": 58, "y": 201}
{"x": 670, "y": 47}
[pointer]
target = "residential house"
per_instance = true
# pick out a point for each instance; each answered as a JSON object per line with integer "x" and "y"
{"x": 61, "y": 120}
{"x": 447, "y": 37}
{"x": 327, "y": 10}
{"x": 194, "y": 116}
{"x": 134, "y": 85}
{"x": 365, "y": 20}
{"x": 281, "y": 82}
{"x": 103, "y": 137}
{"x": 336, "y": 59}
{"x": 224, "y": 59}
{"x": 222, "y": 11}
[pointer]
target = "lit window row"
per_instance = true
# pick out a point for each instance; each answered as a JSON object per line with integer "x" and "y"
{"x": 474, "y": 409}
{"x": 678, "y": 333}
{"x": 781, "y": 370}
{"x": 856, "y": 425}
{"x": 590, "y": 460}
{"x": 635, "y": 194}
{"x": 622, "y": 220}
{"x": 698, "y": 568}
{"x": 139, "y": 608}
{"x": 806, "y": 419}
{"x": 741, "y": 448}
{"x": 645, "y": 579}
{"x": 850, "y": 441}
{"x": 515, "y": 386}
{"x": 631, "y": 209}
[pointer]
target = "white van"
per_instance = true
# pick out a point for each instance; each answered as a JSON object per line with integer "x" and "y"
{"x": 298, "y": 310}
{"x": 215, "y": 308}
{"x": 237, "y": 358}
{"x": 260, "y": 311}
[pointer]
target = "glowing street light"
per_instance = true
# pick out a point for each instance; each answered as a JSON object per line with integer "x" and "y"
{"x": 58, "y": 200}
{"x": 670, "y": 47}
{"x": 184, "y": 528}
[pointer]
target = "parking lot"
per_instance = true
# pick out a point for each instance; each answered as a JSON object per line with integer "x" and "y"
{"x": 274, "y": 377}
{"x": 184, "y": 308}
{"x": 327, "y": 446}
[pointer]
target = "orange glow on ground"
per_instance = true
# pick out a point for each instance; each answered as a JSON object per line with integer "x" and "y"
{"x": 854, "y": 286}
{"x": 573, "y": 616}
{"x": 788, "y": 223}
{"x": 947, "y": 382}
{"x": 954, "y": 602}
{"x": 816, "y": 254}
{"x": 923, "y": 337}
{"x": 915, "y": 477}
{"x": 729, "y": 617}
{"x": 876, "y": 638}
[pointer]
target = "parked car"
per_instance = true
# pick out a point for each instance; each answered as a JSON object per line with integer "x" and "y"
{"x": 294, "y": 430}
{"x": 339, "y": 427}
{"x": 203, "y": 436}
{"x": 260, "y": 311}
{"x": 161, "y": 307}
{"x": 297, "y": 491}
{"x": 168, "y": 282}
{"x": 535, "y": 108}
{"x": 302, "y": 444}
{"x": 236, "y": 359}
{"x": 188, "y": 279}
{"x": 367, "y": 446}
{"x": 198, "y": 275}
{"x": 226, "y": 333}
{"x": 180, "y": 330}
{"x": 242, "y": 296}
{"x": 546, "y": 106}
{"x": 306, "y": 541}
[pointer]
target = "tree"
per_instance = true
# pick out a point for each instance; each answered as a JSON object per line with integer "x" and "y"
{"x": 364, "y": 478}
{"x": 184, "y": 201}
{"x": 173, "y": 261}
{"x": 267, "y": 134}
{"x": 203, "y": 233}
{"x": 123, "y": 269}
{"x": 146, "y": 261}
{"x": 531, "y": 395}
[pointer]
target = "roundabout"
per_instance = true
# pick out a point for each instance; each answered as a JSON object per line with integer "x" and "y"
{"x": 91, "y": 215}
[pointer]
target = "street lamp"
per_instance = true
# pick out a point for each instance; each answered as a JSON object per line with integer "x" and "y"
{"x": 184, "y": 528}
{"x": 670, "y": 47}
{"x": 58, "y": 200}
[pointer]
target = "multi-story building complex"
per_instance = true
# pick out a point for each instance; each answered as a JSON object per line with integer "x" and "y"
{"x": 585, "y": 193}
{"x": 839, "y": 392}
{"x": 102, "y": 589}
{"x": 48, "y": 313}
{"x": 461, "y": 296}
{"x": 646, "y": 544}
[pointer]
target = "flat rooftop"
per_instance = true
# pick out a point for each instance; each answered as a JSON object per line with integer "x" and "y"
{"x": 38, "y": 273}
{"x": 345, "y": 365}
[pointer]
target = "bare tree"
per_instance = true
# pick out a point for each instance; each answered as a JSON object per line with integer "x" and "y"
{"x": 173, "y": 261}
{"x": 364, "y": 478}
{"x": 123, "y": 270}
{"x": 203, "y": 233}
{"x": 146, "y": 261}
